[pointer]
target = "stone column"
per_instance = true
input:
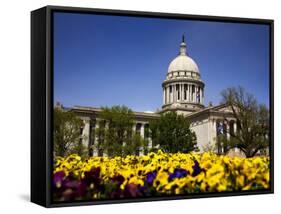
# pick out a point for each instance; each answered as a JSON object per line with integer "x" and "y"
{"x": 86, "y": 133}
{"x": 214, "y": 128}
{"x": 189, "y": 95}
{"x": 174, "y": 94}
{"x": 166, "y": 99}
{"x": 196, "y": 89}
{"x": 165, "y": 89}
{"x": 192, "y": 93}
{"x": 142, "y": 135}
{"x": 171, "y": 95}
{"x": 182, "y": 92}
{"x": 167, "y": 94}
{"x": 198, "y": 92}
{"x": 142, "y": 130}
{"x": 227, "y": 130}
{"x": 186, "y": 90}
{"x": 201, "y": 96}
{"x": 235, "y": 127}
{"x": 177, "y": 88}
{"x": 95, "y": 152}
{"x": 195, "y": 96}
{"x": 164, "y": 96}
{"x": 234, "y": 131}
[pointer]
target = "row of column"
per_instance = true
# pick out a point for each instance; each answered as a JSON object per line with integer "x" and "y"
{"x": 222, "y": 127}
{"x": 183, "y": 93}
{"x": 89, "y": 128}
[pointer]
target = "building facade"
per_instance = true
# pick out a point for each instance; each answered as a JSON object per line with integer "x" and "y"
{"x": 183, "y": 93}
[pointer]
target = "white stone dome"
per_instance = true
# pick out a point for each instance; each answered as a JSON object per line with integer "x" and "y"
{"x": 183, "y": 63}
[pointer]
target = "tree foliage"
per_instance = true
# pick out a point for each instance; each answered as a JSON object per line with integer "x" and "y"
{"x": 115, "y": 134}
{"x": 135, "y": 145}
{"x": 172, "y": 133}
{"x": 252, "y": 121}
{"x": 67, "y": 133}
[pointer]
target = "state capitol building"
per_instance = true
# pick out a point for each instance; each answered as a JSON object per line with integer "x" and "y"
{"x": 183, "y": 93}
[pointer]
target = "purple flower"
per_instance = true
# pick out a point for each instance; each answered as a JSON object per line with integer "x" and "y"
{"x": 150, "y": 177}
{"x": 178, "y": 173}
{"x": 196, "y": 168}
{"x": 78, "y": 187}
{"x": 92, "y": 176}
{"x": 119, "y": 179}
{"x": 58, "y": 178}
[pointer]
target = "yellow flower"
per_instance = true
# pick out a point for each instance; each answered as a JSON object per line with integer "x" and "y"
{"x": 220, "y": 173}
{"x": 161, "y": 179}
{"x": 240, "y": 180}
{"x": 136, "y": 180}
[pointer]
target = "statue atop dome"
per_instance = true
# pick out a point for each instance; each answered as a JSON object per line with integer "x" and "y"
{"x": 183, "y": 47}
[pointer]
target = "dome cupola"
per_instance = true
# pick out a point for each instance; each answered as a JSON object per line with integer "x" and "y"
{"x": 183, "y": 65}
{"x": 183, "y": 88}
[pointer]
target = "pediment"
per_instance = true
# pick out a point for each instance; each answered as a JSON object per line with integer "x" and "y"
{"x": 223, "y": 109}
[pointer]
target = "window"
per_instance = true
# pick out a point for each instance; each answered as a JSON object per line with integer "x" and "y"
{"x": 138, "y": 128}
{"x": 178, "y": 90}
{"x": 146, "y": 131}
{"x": 185, "y": 94}
{"x": 231, "y": 128}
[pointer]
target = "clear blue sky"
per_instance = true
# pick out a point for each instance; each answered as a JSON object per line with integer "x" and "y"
{"x": 113, "y": 60}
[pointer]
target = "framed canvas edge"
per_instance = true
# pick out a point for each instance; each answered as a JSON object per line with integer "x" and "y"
{"x": 38, "y": 190}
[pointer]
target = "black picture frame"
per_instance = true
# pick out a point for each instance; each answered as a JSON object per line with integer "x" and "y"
{"x": 42, "y": 101}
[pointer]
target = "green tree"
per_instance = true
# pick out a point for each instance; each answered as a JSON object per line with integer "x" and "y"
{"x": 79, "y": 149}
{"x": 172, "y": 133}
{"x": 99, "y": 135}
{"x": 67, "y": 133}
{"x": 135, "y": 144}
{"x": 252, "y": 121}
{"x": 118, "y": 129}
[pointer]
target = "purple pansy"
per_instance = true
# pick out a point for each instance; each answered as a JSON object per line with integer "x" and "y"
{"x": 178, "y": 173}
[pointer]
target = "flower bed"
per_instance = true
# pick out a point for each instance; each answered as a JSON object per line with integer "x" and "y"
{"x": 155, "y": 174}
